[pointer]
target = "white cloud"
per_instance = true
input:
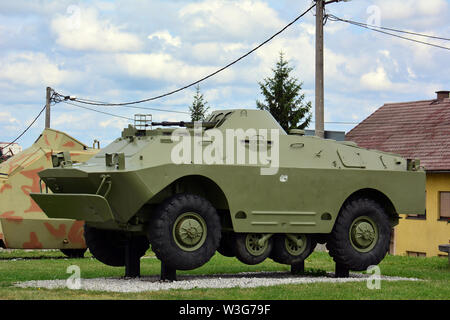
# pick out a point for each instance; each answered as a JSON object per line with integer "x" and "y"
{"x": 409, "y": 9}
{"x": 114, "y": 123}
{"x": 65, "y": 118}
{"x": 99, "y": 50}
{"x": 385, "y": 53}
{"x": 81, "y": 29}
{"x": 379, "y": 81}
{"x": 217, "y": 52}
{"x": 69, "y": 118}
{"x": 411, "y": 73}
{"x": 163, "y": 66}
{"x": 236, "y": 18}
{"x": 304, "y": 62}
{"x": 32, "y": 69}
{"x": 376, "y": 80}
{"x": 166, "y": 37}
{"x": 7, "y": 118}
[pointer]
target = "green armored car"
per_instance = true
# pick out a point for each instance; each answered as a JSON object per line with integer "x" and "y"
{"x": 237, "y": 184}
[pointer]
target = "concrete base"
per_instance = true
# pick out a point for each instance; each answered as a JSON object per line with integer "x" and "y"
{"x": 298, "y": 268}
{"x": 167, "y": 273}
{"x": 341, "y": 271}
{"x": 132, "y": 261}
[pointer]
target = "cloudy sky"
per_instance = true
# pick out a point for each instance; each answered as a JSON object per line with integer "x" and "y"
{"x": 120, "y": 51}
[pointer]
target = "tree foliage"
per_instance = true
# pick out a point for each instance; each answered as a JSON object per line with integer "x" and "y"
{"x": 283, "y": 98}
{"x": 199, "y": 106}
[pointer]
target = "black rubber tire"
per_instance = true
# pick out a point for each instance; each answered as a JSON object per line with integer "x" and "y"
{"x": 161, "y": 226}
{"x": 281, "y": 255}
{"x": 227, "y": 245}
{"x": 74, "y": 253}
{"x": 339, "y": 244}
{"x": 108, "y": 246}
{"x": 245, "y": 256}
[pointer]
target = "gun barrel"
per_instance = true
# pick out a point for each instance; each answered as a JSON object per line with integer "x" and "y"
{"x": 184, "y": 124}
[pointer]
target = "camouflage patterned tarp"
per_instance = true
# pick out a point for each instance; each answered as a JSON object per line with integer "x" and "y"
{"x": 22, "y": 222}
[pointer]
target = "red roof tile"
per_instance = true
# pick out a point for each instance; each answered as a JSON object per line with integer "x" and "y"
{"x": 419, "y": 130}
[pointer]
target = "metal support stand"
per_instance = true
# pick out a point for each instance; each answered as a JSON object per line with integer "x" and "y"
{"x": 168, "y": 273}
{"x": 341, "y": 271}
{"x": 298, "y": 268}
{"x": 132, "y": 261}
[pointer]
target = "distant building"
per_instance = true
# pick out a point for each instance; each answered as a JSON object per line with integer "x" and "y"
{"x": 335, "y": 135}
{"x": 10, "y": 150}
{"x": 416, "y": 130}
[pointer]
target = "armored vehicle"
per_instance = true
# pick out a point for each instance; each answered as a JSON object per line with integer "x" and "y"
{"x": 237, "y": 184}
{"x": 23, "y": 225}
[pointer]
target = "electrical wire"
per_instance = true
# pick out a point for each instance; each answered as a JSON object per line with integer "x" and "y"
{"x": 156, "y": 109}
{"x": 136, "y": 107}
{"x": 389, "y": 29}
{"x": 98, "y": 111}
{"x": 115, "y": 115}
{"x": 374, "y": 28}
{"x": 392, "y": 122}
{"x": 57, "y": 98}
{"x": 91, "y": 102}
{"x": 369, "y": 123}
{"x": 20, "y": 135}
{"x": 60, "y": 98}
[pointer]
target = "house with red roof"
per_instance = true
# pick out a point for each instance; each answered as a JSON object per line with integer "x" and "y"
{"x": 8, "y": 149}
{"x": 416, "y": 130}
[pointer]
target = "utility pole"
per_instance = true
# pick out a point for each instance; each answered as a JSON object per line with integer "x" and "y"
{"x": 319, "y": 107}
{"x": 47, "y": 107}
{"x": 319, "y": 111}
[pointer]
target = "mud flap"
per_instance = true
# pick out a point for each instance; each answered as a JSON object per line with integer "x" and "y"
{"x": 87, "y": 207}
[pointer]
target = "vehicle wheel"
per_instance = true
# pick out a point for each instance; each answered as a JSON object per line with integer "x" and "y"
{"x": 249, "y": 248}
{"x": 227, "y": 245}
{"x": 108, "y": 246}
{"x": 292, "y": 249}
{"x": 361, "y": 235}
{"x": 74, "y": 253}
{"x": 185, "y": 231}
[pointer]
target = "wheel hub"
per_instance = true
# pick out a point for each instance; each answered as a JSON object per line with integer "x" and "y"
{"x": 189, "y": 231}
{"x": 363, "y": 234}
{"x": 253, "y": 244}
{"x": 295, "y": 244}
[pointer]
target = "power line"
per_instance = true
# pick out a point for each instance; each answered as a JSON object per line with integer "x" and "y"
{"x": 389, "y": 29}
{"x": 374, "y": 28}
{"x": 105, "y": 104}
{"x": 20, "y": 135}
{"x": 135, "y": 107}
{"x": 156, "y": 109}
{"x": 91, "y": 102}
{"x": 98, "y": 111}
{"x": 392, "y": 122}
{"x": 368, "y": 123}
{"x": 118, "y": 116}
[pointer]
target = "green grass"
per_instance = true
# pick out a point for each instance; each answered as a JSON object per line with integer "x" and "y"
{"x": 19, "y": 265}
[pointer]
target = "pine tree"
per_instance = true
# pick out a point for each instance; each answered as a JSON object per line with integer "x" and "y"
{"x": 283, "y": 98}
{"x": 198, "y": 109}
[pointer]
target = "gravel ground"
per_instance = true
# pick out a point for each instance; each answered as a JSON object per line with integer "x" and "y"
{"x": 185, "y": 282}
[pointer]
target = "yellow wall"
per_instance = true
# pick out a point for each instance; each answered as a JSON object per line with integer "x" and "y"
{"x": 425, "y": 235}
